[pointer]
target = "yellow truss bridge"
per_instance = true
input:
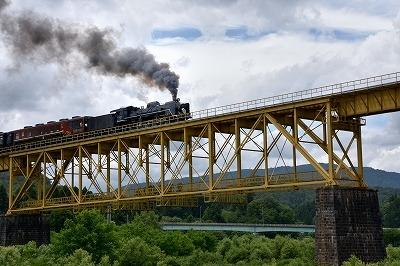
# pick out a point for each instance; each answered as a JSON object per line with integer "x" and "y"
{"x": 219, "y": 154}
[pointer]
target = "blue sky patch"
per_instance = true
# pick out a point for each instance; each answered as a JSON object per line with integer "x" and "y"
{"x": 339, "y": 34}
{"x": 237, "y": 33}
{"x": 186, "y": 33}
{"x": 349, "y": 35}
{"x": 242, "y": 33}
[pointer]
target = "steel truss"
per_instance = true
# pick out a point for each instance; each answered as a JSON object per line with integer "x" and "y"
{"x": 219, "y": 159}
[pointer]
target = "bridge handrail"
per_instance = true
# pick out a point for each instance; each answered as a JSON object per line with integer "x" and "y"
{"x": 335, "y": 89}
{"x": 328, "y": 90}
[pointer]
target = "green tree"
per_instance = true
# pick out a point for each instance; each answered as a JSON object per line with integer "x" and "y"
{"x": 353, "y": 261}
{"x": 233, "y": 216}
{"x": 57, "y": 219}
{"x": 393, "y": 254}
{"x": 224, "y": 246}
{"x": 29, "y": 255}
{"x": 88, "y": 231}
{"x": 175, "y": 243}
{"x": 392, "y": 237}
{"x": 11, "y": 256}
{"x": 305, "y": 212}
{"x": 200, "y": 258}
{"x": 144, "y": 225}
{"x": 261, "y": 249}
{"x": 136, "y": 251}
{"x": 79, "y": 257}
{"x": 391, "y": 212}
{"x": 269, "y": 210}
{"x": 147, "y": 219}
{"x": 171, "y": 261}
{"x": 213, "y": 213}
{"x": 205, "y": 241}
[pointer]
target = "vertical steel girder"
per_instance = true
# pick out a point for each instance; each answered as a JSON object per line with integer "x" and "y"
{"x": 215, "y": 160}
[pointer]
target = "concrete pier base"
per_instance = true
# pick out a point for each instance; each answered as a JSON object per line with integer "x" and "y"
{"x": 348, "y": 222}
{"x": 19, "y": 230}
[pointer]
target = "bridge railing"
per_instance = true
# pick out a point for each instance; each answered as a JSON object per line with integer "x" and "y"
{"x": 335, "y": 89}
{"x": 328, "y": 90}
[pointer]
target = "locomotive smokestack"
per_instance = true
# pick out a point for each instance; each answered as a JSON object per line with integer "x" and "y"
{"x": 44, "y": 40}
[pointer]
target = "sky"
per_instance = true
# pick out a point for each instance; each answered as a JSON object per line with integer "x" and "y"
{"x": 224, "y": 52}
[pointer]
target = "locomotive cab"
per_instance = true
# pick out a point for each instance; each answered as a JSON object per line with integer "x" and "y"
{"x": 125, "y": 114}
{"x": 185, "y": 108}
{"x": 171, "y": 108}
{"x": 152, "y": 105}
{"x": 176, "y": 108}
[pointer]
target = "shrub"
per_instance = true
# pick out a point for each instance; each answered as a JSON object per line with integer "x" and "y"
{"x": 90, "y": 232}
{"x": 137, "y": 252}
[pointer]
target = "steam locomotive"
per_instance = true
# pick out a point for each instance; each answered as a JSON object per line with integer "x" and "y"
{"x": 78, "y": 124}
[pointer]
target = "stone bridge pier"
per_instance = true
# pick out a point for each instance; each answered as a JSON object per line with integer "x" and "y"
{"x": 348, "y": 222}
{"x": 19, "y": 230}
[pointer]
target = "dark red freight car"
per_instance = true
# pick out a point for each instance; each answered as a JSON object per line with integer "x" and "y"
{"x": 43, "y": 131}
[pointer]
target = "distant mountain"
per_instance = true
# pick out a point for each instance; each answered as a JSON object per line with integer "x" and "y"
{"x": 380, "y": 178}
{"x": 373, "y": 177}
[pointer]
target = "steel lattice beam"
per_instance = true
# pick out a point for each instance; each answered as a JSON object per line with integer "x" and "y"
{"x": 175, "y": 166}
{"x": 219, "y": 155}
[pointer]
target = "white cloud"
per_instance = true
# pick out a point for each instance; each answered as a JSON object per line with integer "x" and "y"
{"x": 349, "y": 19}
{"x": 386, "y": 159}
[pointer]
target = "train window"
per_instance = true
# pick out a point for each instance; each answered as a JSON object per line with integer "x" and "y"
{"x": 23, "y": 134}
{"x": 16, "y": 136}
{"x": 30, "y": 134}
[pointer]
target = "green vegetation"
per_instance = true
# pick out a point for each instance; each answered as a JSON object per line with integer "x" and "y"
{"x": 393, "y": 259}
{"x": 391, "y": 211}
{"x": 87, "y": 239}
{"x": 273, "y": 207}
{"x": 392, "y": 237}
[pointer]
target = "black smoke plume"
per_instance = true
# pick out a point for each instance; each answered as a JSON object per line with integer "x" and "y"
{"x": 45, "y": 40}
{"x": 3, "y": 4}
